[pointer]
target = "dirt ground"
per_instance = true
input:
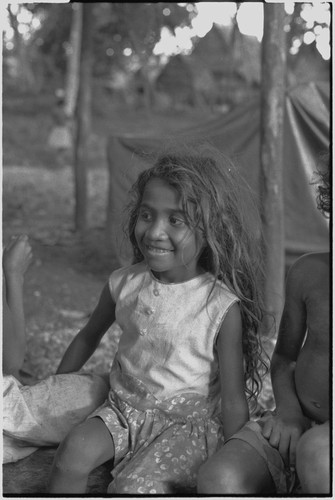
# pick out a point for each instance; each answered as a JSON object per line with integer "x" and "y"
{"x": 68, "y": 271}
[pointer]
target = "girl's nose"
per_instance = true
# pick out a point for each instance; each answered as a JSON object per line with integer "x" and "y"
{"x": 156, "y": 230}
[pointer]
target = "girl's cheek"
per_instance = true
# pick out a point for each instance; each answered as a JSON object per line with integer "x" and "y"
{"x": 137, "y": 231}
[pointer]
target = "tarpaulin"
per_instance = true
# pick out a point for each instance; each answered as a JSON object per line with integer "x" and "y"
{"x": 306, "y": 136}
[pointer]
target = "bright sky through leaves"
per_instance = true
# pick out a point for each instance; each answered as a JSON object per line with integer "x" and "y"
{"x": 249, "y": 19}
{"x": 250, "y": 22}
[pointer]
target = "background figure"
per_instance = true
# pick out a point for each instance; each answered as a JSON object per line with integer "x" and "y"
{"x": 264, "y": 455}
{"x": 17, "y": 257}
{"x": 60, "y": 138}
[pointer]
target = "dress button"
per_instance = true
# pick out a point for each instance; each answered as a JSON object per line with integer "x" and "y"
{"x": 156, "y": 292}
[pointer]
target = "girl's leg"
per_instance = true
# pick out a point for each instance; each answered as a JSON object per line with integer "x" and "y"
{"x": 313, "y": 460}
{"x": 87, "y": 446}
{"x": 171, "y": 462}
{"x": 236, "y": 468}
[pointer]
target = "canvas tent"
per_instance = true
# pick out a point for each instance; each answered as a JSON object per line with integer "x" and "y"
{"x": 306, "y": 136}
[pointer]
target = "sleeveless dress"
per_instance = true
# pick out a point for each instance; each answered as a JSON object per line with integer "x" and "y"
{"x": 163, "y": 405}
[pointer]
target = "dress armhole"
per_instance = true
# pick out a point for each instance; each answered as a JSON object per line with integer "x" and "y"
{"x": 234, "y": 301}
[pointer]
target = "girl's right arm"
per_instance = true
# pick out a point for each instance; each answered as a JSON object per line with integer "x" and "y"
{"x": 87, "y": 340}
{"x": 234, "y": 406}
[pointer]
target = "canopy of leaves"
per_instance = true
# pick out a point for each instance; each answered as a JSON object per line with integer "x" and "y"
{"x": 125, "y": 34}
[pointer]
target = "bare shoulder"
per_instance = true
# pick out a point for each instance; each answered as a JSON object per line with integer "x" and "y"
{"x": 313, "y": 261}
{"x": 311, "y": 269}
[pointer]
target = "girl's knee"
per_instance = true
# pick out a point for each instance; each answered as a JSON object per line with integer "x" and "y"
{"x": 220, "y": 476}
{"x": 74, "y": 453}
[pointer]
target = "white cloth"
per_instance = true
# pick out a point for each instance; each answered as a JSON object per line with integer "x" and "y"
{"x": 44, "y": 413}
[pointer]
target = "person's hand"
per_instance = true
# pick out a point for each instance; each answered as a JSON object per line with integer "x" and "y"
{"x": 17, "y": 256}
{"x": 284, "y": 433}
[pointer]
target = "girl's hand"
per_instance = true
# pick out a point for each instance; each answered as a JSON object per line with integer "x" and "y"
{"x": 284, "y": 433}
{"x": 17, "y": 256}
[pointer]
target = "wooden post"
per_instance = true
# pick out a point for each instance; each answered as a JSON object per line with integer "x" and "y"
{"x": 83, "y": 118}
{"x": 271, "y": 174}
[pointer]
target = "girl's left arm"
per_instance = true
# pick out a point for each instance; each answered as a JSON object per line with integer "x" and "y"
{"x": 234, "y": 406}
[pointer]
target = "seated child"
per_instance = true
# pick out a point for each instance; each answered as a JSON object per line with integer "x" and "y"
{"x": 263, "y": 456}
{"x": 190, "y": 311}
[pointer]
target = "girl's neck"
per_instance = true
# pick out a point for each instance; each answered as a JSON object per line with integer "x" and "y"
{"x": 167, "y": 278}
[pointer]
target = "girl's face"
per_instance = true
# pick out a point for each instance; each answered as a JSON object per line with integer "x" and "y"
{"x": 168, "y": 245}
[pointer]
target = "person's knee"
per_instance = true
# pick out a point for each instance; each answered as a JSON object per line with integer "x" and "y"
{"x": 313, "y": 461}
{"x": 74, "y": 453}
{"x": 222, "y": 478}
{"x": 312, "y": 446}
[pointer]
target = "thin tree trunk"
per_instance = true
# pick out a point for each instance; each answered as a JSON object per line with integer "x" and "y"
{"x": 83, "y": 118}
{"x": 271, "y": 175}
{"x": 73, "y": 61}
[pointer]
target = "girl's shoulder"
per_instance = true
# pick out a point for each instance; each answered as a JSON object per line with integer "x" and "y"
{"x": 222, "y": 288}
{"x": 121, "y": 276}
{"x": 220, "y": 294}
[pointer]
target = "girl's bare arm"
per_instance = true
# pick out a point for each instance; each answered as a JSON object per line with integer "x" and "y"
{"x": 234, "y": 406}
{"x": 89, "y": 337}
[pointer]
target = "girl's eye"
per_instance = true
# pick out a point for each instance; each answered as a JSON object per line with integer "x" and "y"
{"x": 176, "y": 222}
{"x": 145, "y": 215}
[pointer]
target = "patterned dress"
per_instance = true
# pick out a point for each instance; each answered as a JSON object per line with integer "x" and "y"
{"x": 163, "y": 406}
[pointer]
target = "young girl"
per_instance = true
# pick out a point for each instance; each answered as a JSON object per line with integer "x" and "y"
{"x": 190, "y": 311}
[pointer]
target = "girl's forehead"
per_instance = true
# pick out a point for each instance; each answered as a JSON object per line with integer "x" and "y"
{"x": 158, "y": 191}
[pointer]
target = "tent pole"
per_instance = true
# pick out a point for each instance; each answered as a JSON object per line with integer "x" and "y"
{"x": 83, "y": 117}
{"x": 271, "y": 161}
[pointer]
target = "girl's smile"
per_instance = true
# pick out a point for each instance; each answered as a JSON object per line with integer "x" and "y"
{"x": 169, "y": 246}
{"x": 153, "y": 250}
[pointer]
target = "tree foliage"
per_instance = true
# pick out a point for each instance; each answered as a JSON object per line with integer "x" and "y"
{"x": 125, "y": 35}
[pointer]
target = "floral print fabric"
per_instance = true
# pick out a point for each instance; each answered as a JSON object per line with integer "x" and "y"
{"x": 159, "y": 445}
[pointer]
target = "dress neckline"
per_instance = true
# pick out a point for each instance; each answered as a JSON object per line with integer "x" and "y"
{"x": 199, "y": 277}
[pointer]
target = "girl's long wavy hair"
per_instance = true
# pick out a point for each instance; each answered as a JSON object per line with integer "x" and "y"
{"x": 218, "y": 203}
{"x": 322, "y": 180}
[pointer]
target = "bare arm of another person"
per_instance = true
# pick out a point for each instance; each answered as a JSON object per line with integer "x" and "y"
{"x": 17, "y": 257}
{"x": 87, "y": 340}
{"x": 234, "y": 406}
{"x": 285, "y": 429}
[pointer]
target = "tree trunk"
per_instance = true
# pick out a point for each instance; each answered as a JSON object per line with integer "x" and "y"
{"x": 271, "y": 174}
{"x": 83, "y": 118}
{"x": 73, "y": 61}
